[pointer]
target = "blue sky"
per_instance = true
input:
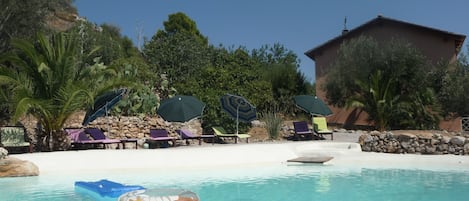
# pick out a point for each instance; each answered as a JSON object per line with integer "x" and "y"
{"x": 299, "y": 25}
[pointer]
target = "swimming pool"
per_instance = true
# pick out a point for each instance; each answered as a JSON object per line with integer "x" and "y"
{"x": 256, "y": 172}
{"x": 262, "y": 183}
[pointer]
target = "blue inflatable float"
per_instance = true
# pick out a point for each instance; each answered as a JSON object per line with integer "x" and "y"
{"x": 104, "y": 189}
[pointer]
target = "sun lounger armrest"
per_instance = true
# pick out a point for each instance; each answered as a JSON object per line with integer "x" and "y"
{"x": 244, "y": 135}
{"x": 161, "y": 138}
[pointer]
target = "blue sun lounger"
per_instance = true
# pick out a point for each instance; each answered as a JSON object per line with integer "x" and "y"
{"x": 104, "y": 189}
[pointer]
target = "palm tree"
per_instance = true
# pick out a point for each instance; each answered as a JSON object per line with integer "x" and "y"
{"x": 378, "y": 98}
{"x": 47, "y": 80}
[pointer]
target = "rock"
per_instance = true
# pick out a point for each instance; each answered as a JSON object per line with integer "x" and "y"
{"x": 257, "y": 123}
{"x": 466, "y": 148}
{"x": 442, "y": 147}
{"x": 406, "y": 137}
{"x": 364, "y": 139}
{"x": 359, "y": 132}
{"x": 458, "y": 140}
{"x": 375, "y": 132}
{"x": 382, "y": 136}
{"x": 445, "y": 139}
{"x": 13, "y": 167}
{"x": 390, "y": 148}
{"x": 435, "y": 142}
{"x": 451, "y": 149}
{"x": 405, "y": 144}
{"x": 429, "y": 150}
{"x": 425, "y": 135}
{"x": 366, "y": 148}
{"x": 3, "y": 153}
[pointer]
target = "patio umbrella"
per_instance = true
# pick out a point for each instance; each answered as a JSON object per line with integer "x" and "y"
{"x": 239, "y": 108}
{"x": 312, "y": 104}
{"x": 180, "y": 108}
{"x": 102, "y": 104}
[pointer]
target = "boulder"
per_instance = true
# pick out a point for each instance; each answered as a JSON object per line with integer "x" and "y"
{"x": 405, "y": 137}
{"x": 13, "y": 167}
{"x": 458, "y": 140}
{"x": 429, "y": 150}
{"x": 466, "y": 148}
{"x": 364, "y": 139}
{"x": 445, "y": 139}
{"x": 3, "y": 153}
{"x": 405, "y": 145}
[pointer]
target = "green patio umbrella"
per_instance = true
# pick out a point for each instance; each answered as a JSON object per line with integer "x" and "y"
{"x": 312, "y": 104}
{"x": 180, "y": 108}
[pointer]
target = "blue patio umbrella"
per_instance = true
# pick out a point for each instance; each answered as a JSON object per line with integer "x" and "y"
{"x": 239, "y": 108}
{"x": 103, "y": 104}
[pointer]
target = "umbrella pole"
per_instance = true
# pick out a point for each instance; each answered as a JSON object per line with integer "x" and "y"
{"x": 237, "y": 119}
{"x": 108, "y": 121}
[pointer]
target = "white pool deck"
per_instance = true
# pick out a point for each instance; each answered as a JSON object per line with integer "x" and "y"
{"x": 346, "y": 154}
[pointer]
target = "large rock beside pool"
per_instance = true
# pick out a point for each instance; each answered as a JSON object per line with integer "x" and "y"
{"x": 13, "y": 167}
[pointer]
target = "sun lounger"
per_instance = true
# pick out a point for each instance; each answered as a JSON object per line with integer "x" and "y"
{"x": 160, "y": 135}
{"x": 220, "y": 132}
{"x": 97, "y": 134}
{"x": 302, "y": 130}
{"x": 79, "y": 139}
{"x": 188, "y": 135}
{"x": 320, "y": 127}
{"x": 15, "y": 137}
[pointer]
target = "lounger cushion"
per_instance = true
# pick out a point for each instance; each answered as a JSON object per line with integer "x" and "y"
{"x": 95, "y": 133}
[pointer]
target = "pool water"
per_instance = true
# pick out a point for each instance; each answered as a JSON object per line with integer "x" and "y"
{"x": 261, "y": 183}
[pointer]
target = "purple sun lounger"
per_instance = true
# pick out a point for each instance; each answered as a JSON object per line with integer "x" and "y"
{"x": 80, "y": 139}
{"x": 301, "y": 129}
{"x": 97, "y": 134}
{"x": 160, "y": 135}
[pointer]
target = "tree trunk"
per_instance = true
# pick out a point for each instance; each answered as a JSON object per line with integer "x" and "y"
{"x": 59, "y": 141}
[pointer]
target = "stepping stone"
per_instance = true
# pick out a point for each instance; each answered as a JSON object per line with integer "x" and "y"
{"x": 311, "y": 159}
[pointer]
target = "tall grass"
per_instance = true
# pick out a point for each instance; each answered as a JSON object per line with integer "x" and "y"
{"x": 273, "y": 122}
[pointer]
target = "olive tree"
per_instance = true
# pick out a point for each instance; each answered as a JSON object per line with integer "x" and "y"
{"x": 386, "y": 80}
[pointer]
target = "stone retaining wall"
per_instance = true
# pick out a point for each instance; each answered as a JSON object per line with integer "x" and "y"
{"x": 118, "y": 127}
{"x": 434, "y": 143}
{"x": 137, "y": 127}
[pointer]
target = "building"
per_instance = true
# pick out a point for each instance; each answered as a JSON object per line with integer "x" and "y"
{"x": 436, "y": 45}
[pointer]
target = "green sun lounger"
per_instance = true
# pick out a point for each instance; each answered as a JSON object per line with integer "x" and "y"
{"x": 220, "y": 132}
{"x": 320, "y": 127}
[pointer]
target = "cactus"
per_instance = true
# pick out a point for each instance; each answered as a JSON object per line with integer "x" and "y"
{"x": 144, "y": 100}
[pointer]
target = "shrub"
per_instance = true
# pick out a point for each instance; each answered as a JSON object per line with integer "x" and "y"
{"x": 273, "y": 122}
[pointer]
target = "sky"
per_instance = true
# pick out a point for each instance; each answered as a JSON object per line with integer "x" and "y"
{"x": 298, "y": 25}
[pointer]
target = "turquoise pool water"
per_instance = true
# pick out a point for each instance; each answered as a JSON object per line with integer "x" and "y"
{"x": 262, "y": 183}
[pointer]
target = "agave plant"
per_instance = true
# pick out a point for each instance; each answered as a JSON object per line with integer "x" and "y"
{"x": 273, "y": 122}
